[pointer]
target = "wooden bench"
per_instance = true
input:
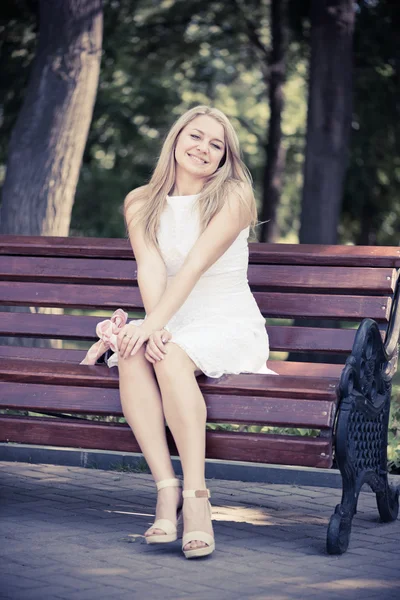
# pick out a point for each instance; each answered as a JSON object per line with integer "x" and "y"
{"x": 346, "y": 407}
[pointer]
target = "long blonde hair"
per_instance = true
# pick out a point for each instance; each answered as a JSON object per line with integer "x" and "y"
{"x": 232, "y": 174}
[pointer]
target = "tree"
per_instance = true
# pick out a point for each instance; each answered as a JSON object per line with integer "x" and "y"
{"x": 274, "y": 149}
{"x": 329, "y": 119}
{"x": 48, "y": 139}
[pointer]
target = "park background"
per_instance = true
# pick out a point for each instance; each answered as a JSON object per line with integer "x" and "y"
{"x": 88, "y": 91}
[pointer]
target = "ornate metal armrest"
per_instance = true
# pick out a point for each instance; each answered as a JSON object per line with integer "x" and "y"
{"x": 368, "y": 370}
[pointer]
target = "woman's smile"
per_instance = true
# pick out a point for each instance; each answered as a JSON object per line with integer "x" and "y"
{"x": 197, "y": 159}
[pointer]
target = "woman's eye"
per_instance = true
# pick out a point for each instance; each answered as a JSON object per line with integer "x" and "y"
{"x": 196, "y": 137}
{"x": 217, "y": 147}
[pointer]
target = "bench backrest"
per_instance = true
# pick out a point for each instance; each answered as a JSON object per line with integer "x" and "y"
{"x": 336, "y": 283}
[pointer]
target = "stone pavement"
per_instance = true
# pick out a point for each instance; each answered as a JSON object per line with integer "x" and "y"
{"x": 69, "y": 533}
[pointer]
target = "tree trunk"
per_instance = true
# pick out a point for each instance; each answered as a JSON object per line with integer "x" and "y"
{"x": 329, "y": 119}
{"x": 274, "y": 150}
{"x": 49, "y": 137}
{"x": 369, "y": 225}
{"x": 328, "y": 130}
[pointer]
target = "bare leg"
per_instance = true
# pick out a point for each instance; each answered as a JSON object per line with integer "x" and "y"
{"x": 185, "y": 412}
{"x": 142, "y": 408}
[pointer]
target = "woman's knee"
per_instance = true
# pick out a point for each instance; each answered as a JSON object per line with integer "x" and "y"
{"x": 174, "y": 363}
{"x": 133, "y": 364}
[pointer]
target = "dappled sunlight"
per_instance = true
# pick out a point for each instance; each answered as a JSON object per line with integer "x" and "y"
{"x": 105, "y": 571}
{"x": 242, "y": 515}
{"x": 126, "y": 512}
{"x": 259, "y": 517}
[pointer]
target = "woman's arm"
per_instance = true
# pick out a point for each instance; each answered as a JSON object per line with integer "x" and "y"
{"x": 151, "y": 269}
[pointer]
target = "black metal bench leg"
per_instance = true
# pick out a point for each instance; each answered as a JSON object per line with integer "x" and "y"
{"x": 388, "y": 503}
{"x": 361, "y": 434}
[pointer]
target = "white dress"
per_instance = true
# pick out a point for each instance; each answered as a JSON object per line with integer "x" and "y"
{"x": 219, "y": 325}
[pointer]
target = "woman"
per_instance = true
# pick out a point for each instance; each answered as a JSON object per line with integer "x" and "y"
{"x": 188, "y": 229}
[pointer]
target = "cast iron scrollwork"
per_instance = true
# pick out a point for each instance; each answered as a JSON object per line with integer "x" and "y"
{"x": 361, "y": 432}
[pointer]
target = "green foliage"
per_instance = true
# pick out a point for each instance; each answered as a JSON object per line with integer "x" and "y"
{"x": 158, "y": 61}
{"x": 18, "y": 41}
{"x": 160, "y": 58}
{"x": 394, "y": 432}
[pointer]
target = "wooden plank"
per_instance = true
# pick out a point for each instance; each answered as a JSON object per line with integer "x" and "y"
{"x": 65, "y": 327}
{"x": 318, "y": 306}
{"x": 321, "y": 254}
{"x": 311, "y": 339}
{"x": 273, "y": 449}
{"x": 69, "y": 355}
{"x": 91, "y": 247}
{"x": 70, "y": 296}
{"x": 21, "y": 370}
{"x": 305, "y": 369}
{"x": 351, "y": 280}
{"x": 282, "y": 367}
{"x": 282, "y": 338}
{"x": 266, "y": 277}
{"x": 271, "y": 304}
{"x": 280, "y": 412}
{"x": 261, "y": 253}
{"x": 68, "y": 270}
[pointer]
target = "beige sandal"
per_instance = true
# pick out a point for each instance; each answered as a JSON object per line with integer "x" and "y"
{"x": 172, "y": 532}
{"x": 200, "y": 536}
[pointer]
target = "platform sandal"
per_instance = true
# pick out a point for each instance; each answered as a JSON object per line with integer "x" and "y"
{"x": 200, "y": 536}
{"x": 172, "y": 531}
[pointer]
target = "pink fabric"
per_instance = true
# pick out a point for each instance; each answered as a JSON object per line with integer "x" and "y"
{"x": 107, "y": 331}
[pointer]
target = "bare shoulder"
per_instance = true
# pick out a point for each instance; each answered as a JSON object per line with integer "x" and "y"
{"x": 239, "y": 199}
{"x": 135, "y": 200}
{"x": 237, "y": 190}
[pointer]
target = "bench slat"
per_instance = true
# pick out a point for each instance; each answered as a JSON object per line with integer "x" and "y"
{"x": 290, "y": 254}
{"x": 66, "y": 375}
{"x": 275, "y": 277}
{"x": 270, "y": 303}
{"x": 298, "y": 278}
{"x": 311, "y": 339}
{"x": 221, "y": 408}
{"x": 282, "y": 367}
{"x": 282, "y": 338}
{"x": 323, "y": 306}
{"x": 274, "y": 449}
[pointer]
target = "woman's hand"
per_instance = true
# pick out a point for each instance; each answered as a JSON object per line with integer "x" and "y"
{"x": 131, "y": 338}
{"x": 155, "y": 348}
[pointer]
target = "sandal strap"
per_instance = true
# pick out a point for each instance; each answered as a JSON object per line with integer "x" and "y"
{"x": 165, "y": 525}
{"x": 168, "y": 483}
{"x": 200, "y": 536}
{"x": 196, "y": 494}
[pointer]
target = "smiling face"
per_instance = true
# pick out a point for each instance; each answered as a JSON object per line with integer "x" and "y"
{"x": 200, "y": 147}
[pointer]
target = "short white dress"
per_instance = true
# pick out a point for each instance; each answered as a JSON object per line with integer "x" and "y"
{"x": 219, "y": 325}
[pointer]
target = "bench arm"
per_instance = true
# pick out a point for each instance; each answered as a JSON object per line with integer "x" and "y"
{"x": 368, "y": 369}
{"x": 361, "y": 431}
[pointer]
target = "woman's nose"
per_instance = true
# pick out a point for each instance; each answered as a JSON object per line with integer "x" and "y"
{"x": 202, "y": 146}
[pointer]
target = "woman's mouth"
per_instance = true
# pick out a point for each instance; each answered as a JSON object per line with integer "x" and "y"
{"x": 196, "y": 159}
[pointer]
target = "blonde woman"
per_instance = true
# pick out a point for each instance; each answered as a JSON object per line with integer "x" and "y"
{"x": 188, "y": 229}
